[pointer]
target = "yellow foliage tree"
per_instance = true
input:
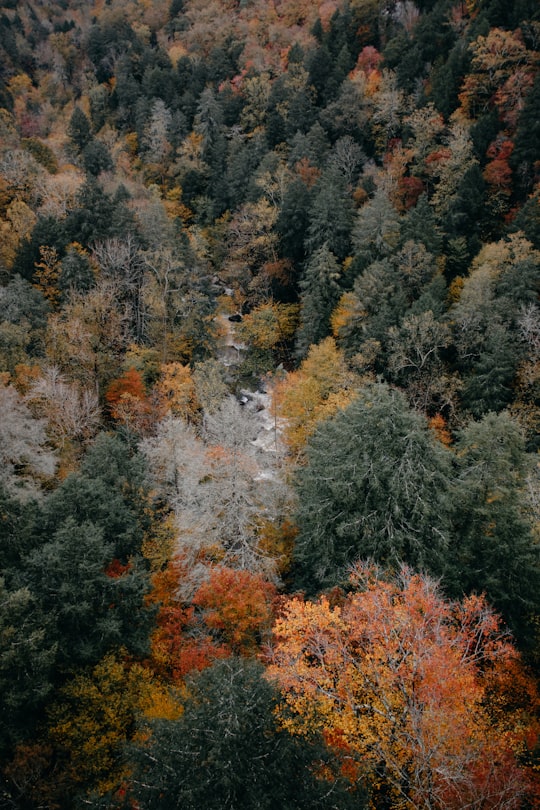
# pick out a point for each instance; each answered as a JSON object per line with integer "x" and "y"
{"x": 47, "y": 274}
{"x": 269, "y": 325}
{"x": 94, "y": 717}
{"x": 176, "y": 391}
{"x": 317, "y": 390}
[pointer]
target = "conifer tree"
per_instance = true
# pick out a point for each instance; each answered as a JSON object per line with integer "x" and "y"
{"x": 376, "y": 485}
{"x": 320, "y": 294}
{"x": 226, "y": 753}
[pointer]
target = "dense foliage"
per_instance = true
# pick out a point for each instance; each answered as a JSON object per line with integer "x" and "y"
{"x": 269, "y": 393}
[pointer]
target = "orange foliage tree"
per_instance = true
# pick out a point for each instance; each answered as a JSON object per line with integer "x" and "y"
{"x": 128, "y": 402}
{"x": 498, "y": 175}
{"x": 239, "y": 606}
{"x": 178, "y": 643}
{"x": 231, "y": 613}
{"x": 502, "y": 71}
{"x": 176, "y": 392}
{"x": 412, "y": 689}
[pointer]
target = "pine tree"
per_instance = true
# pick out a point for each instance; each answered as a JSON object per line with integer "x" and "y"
{"x": 320, "y": 294}
{"x": 331, "y": 216}
{"x": 493, "y": 550}
{"x": 79, "y": 129}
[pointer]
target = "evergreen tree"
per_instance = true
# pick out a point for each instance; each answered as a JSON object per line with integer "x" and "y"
{"x": 528, "y": 220}
{"x": 377, "y": 303}
{"x": 28, "y": 652}
{"x": 493, "y": 550}
{"x": 420, "y": 225}
{"x": 85, "y": 567}
{"x": 376, "y": 485}
{"x": 91, "y": 606}
{"x": 320, "y": 294}
{"x": 376, "y": 230}
{"x": 108, "y": 492}
{"x": 27, "y": 645}
{"x": 97, "y": 215}
{"x": 48, "y": 231}
{"x": 488, "y": 387}
{"x": 293, "y": 219}
{"x": 526, "y": 152}
{"x": 319, "y": 64}
{"x": 96, "y": 158}
{"x": 79, "y": 129}
{"x": 331, "y": 216}
{"x": 226, "y": 752}
{"x": 76, "y": 272}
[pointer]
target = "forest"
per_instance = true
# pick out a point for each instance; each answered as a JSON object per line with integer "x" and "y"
{"x": 270, "y": 405}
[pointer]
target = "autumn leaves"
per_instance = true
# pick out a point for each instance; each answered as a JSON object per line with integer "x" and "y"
{"x": 408, "y": 688}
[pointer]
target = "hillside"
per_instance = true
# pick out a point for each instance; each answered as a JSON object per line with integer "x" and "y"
{"x": 269, "y": 380}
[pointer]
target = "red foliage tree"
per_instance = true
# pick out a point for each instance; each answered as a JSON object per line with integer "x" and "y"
{"x": 179, "y": 643}
{"x": 239, "y": 605}
{"x": 128, "y": 402}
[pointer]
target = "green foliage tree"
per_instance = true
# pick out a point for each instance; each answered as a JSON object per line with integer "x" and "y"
{"x": 526, "y": 153}
{"x": 528, "y": 219}
{"x": 376, "y": 485}
{"x": 96, "y": 158}
{"x": 502, "y": 280}
{"x": 98, "y": 215}
{"x": 293, "y": 219}
{"x": 84, "y": 565}
{"x": 27, "y": 654}
{"x": 79, "y": 129}
{"x": 91, "y": 608}
{"x": 320, "y": 291}
{"x": 331, "y": 216}
{"x": 376, "y": 230}
{"x": 22, "y": 307}
{"x": 28, "y": 649}
{"x": 376, "y": 304}
{"x": 49, "y": 231}
{"x": 493, "y": 550}
{"x": 76, "y": 272}
{"x": 225, "y": 752}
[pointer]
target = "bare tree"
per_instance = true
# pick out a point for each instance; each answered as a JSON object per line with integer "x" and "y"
{"x": 24, "y": 454}
{"x": 222, "y": 487}
{"x": 71, "y": 410}
{"x": 122, "y": 262}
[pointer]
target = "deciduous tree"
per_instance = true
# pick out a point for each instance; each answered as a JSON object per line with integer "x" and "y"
{"x": 24, "y": 455}
{"x": 128, "y": 401}
{"x": 238, "y": 606}
{"x": 72, "y": 412}
{"x": 176, "y": 391}
{"x": 402, "y": 680}
{"x": 222, "y": 489}
{"x": 321, "y": 386}
{"x": 94, "y": 716}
